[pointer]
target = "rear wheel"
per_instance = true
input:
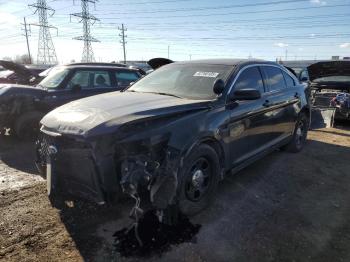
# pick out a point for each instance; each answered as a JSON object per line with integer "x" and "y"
{"x": 199, "y": 179}
{"x": 299, "y": 136}
{"x": 27, "y": 125}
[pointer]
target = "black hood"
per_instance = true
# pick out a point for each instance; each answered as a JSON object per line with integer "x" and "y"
{"x": 328, "y": 68}
{"x": 15, "y": 89}
{"x": 105, "y": 113}
{"x": 19, "y": 69}
{"x": 158, "y": 62}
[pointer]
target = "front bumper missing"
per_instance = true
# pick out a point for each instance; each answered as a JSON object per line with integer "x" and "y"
{"x": 69, "y": 171}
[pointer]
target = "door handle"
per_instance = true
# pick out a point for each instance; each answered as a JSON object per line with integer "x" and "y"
{"x": 266, "y": 103}
{"x": 296, "y": 95}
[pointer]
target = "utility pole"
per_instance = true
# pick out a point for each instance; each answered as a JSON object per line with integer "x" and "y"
{"x": 286, "y": 55}
{"x": 168, "y": 51}
{"x": 123, "y": 42}
{"x": 87, "y": 19}
{"x": 190, "y": 57}
{"x": 46, "y": 49}
{"x": 26, "y": 35}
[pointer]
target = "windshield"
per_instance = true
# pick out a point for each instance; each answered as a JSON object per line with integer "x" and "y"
{"x": 55, "y": 77}
{"x": 192, "y": 81}
{"x": 333, "y": 79}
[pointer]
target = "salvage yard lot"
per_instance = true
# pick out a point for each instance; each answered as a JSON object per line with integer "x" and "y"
{"x": 285, "y": 207}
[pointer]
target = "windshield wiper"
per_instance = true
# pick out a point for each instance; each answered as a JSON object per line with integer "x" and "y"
{"x": 164, "y": 94}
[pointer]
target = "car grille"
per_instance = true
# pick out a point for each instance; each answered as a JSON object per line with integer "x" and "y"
{"x": 60, "y": 143}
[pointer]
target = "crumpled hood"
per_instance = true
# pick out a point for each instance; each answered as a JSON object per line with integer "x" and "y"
{"x": 106, "y": 112}
{"x": 328, "y": 68}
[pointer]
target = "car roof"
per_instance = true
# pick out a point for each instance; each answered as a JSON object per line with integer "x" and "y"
{"x": 94, "y": 66}
{"x": 99, "y": 64}
{"x": 229, "y": 62}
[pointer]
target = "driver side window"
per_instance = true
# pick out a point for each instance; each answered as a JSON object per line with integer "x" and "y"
{"x": 250, "y": 78}
{"x": 80, "y": 78}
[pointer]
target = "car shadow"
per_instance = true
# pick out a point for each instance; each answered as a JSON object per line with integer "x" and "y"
{"x": 283, "y": 207}
{"x": 18, "y": 154}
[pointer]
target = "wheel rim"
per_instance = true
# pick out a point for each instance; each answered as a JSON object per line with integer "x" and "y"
{"x": 300, "y": 134}
{"x": 199, "y": 180}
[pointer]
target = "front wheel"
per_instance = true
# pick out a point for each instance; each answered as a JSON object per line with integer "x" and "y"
{"x": 199, "y": 179}
{"x": 299, "y": 136}
{"x": 27, "y": 125}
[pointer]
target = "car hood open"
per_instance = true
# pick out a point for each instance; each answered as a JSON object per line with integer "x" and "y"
{"x": 328, "y": 68}
{"x": 106, "y": 112}
{"x": 158, "y": 62}
{"x": 18, "y": 69}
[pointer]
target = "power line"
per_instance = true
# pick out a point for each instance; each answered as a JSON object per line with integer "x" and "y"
{"x": 227, "y": 13}
{"x": 197, "y": 8}
{"x": 46, "y": 49}
{"x": 87, "y": 19}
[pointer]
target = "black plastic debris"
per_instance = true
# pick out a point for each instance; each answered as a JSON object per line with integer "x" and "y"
{"x": 149, "y": 236}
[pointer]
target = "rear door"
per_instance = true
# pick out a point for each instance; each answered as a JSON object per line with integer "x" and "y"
{"x": 280, "y": 99}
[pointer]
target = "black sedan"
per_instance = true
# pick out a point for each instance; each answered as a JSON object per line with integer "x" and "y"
{"x": 175, "y": 133}
{"x": 22, "y": 106}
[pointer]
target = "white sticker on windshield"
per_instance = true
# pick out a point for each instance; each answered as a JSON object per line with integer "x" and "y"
{"x": 206, "y": 74}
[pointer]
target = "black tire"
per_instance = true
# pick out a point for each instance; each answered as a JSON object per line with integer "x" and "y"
{"x": 299, "y": 135}
{"x": 27, "y": 125}
{"x": 201, "y": 169}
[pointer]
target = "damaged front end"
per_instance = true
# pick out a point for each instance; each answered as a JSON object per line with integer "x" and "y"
{"x": 100, "y": 170}
{"x": 149, "y": 168}
{"x": 73, "y": 168}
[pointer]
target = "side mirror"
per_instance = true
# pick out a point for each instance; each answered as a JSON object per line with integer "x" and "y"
{"x": 219, "y": 86}
{"x": 76, "y": 88}
{"x": 304, "y": 79}
{"x": 246, "y": 94}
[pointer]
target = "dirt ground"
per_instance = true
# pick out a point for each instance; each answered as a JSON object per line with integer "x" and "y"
{"x": 285, "y": 207}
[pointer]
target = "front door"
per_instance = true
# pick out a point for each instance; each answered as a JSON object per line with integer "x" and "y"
{"x": 83, "y": 83}
{"x": 247, "y": 131}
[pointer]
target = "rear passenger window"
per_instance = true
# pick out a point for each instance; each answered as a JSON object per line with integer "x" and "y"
{"x": 102, "y": 79}
{"x": 250, "y": 78}
{"x": 275, "y": 79}
{"x": 289, "y": 79}
{"x": 124, "y": 78}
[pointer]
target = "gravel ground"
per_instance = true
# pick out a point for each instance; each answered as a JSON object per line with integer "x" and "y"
{"x": 285, "y": 207}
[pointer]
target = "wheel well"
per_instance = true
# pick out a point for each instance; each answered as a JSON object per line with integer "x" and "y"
{"x": 218, "y": 149}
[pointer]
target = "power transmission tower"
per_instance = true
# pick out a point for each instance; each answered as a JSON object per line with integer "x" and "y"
{"x": 46, "y": 49}
{"x": 26, "y": 34}
{"x": 123, "y": 42}
{"x": 87, "y": 19}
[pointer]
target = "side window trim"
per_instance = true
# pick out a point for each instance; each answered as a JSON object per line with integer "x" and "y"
{"x": 262, "y": 73}
{"x": 263, "y": 81}
{"x": 264, "y": 77}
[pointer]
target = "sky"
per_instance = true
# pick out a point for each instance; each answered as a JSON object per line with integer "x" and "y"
{"x": 191, "y": 29}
